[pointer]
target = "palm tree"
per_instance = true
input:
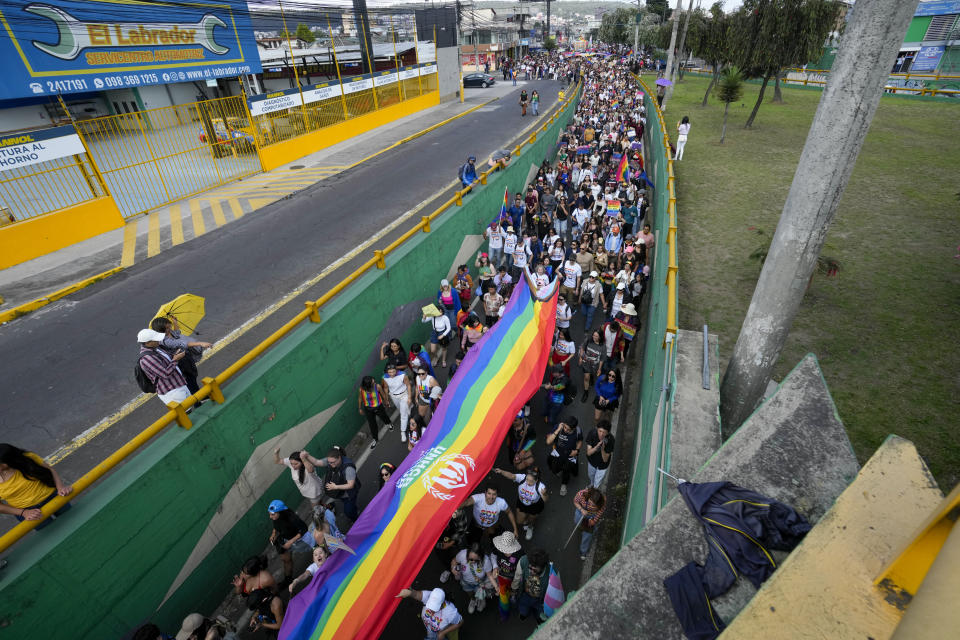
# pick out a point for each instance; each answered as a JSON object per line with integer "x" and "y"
{"x": 729, "y": 89}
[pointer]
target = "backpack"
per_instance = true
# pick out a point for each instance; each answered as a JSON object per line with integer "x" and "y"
{"x": 145, "y": 382}
{"x": 586, "y": 296}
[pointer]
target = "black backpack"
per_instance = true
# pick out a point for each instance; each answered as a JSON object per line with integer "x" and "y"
{"x": 145, "y": 382}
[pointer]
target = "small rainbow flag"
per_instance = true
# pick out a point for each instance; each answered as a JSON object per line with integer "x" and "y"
{"x": 613, "y": 208}
{"x": 623, "y": 170}
{"x": 583, "y": 150}
{"x": 503, "y": 207}
{"x": 353, "y": 596}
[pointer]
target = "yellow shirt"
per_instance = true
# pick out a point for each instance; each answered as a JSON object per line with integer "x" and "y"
{"x": 561, "y": 96}
{"x": 20, "y": 492}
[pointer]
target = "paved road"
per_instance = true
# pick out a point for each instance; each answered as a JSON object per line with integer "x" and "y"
{"x": 70, "y": 364}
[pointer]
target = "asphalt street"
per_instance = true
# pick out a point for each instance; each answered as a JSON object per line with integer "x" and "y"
{"x": 70, "y": 364}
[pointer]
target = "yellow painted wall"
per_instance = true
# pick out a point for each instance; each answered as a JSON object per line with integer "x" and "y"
{"x": 44, "y": 234}
{"x": 275, "y": 155}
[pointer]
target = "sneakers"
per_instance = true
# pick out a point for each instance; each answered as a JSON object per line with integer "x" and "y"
{"x": 563, "y": 487}
{"x": 373, "y": 445}
{"x": 403, "y": 436}
{"x": 481, "y": 604}
{"x": 472, "y": 606}
{"x": 529, "y": 535}
{"x": 582, "y": 557}
{"x": 391, "y": 426}
{"x": 445, "y": 576}
{"x": 543, "y": 617}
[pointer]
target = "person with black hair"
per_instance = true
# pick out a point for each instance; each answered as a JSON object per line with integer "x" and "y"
{"x": 475, "y": 569}
{"x": 304, "y": 474}
{"x": 565, "y": 443}
{"x": 149, "y": 631}
{"x": 267, "y": 610}
{"x": 289, "y": 534}
{"x": 253, "y": 575}
{"x": 415, "y": 427}
{"x": 487, "y": 507}
{"x": 386, "y": 472}
{"x": 531, "y": 496}
{"x": 370, "y": 403}
{"x": 530, "y": 583}
{"x": 341, "y": 481}
{"x": 196, "y": 626}
{"x": 27, "y": 483}
{"x": 609, "y": 388}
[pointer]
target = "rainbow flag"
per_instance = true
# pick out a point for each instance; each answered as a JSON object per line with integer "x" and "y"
{"x": 353, "y": 596}
{"x": 623, "y": 170}
{"x": 503, "y": 207}
{"x": 583, "y": 149}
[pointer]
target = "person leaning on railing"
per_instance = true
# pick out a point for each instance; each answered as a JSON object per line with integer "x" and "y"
{"x": 27, "y": 483}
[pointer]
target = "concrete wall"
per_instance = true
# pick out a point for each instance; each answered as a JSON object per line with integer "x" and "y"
{"x": 448, "y": 62}
{"x": 32, "y": 116}
{"x": 162, "y": 536}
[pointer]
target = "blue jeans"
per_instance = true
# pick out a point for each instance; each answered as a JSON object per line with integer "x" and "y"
{"x": 496, "y": 255}
{"x": 527, "y": 605}
{"x": 560, "y": 226}
{"x": 588, "y": 310}
{"x": 585, "y": 536}
{"x": 552, "y": 411}
{"x": 536, "y": 108}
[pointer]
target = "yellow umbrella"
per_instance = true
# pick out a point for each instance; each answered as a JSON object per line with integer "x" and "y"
{"x": 187, "y": 308}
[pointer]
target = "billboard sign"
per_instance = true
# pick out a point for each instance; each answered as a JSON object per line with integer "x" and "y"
{"x": 927, "y": 59}
{"x": 276, "y": 101}
{"x": 76, "y": 46}
{"x": 24, "y": 149}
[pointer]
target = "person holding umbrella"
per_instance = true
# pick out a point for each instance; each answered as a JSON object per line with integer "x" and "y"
{"x": 175, "y": 341}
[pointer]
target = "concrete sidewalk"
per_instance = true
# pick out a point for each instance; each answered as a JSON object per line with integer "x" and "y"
{"x": 149, "y": 235}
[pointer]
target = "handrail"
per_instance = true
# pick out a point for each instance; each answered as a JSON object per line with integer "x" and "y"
{"x": 673, "y": 267}
{"x": 211, "y": 386}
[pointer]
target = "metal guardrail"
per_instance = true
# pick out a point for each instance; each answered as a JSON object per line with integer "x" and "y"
{"x": 212, "y": 386}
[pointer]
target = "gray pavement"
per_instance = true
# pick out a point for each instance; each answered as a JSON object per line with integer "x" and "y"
{"x": 68, "y": 365}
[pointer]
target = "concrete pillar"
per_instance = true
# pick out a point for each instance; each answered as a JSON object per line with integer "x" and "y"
{"x": 871, "y": 40}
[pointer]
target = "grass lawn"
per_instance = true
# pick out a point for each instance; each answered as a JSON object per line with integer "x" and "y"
{"x": 885, "y": 328}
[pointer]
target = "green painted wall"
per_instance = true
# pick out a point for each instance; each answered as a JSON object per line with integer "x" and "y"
{"x": 654, "y": 354}
{"x": 105, "y": 568}
{"x": 917, "y": 29}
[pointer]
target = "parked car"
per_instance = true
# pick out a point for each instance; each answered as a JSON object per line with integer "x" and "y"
{"x": 478, "y": 80}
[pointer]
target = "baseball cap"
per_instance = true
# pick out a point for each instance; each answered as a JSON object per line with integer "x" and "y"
{"x": 276, "y": 506}
{"x": 149, "y": 335}
{"x": 190, "y": 624}
{"x": 620, "y": 285}
{"x": 594, "y": 274}
{"x": 435, "y": 599}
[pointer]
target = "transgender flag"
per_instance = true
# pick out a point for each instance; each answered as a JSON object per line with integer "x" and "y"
{"x": 554, "y": 596}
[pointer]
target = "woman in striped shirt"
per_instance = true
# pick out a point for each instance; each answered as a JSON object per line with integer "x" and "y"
{"x": 370, "y": 404}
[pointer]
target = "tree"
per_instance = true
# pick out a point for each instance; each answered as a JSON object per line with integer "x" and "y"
{"x": 616, "y": 27}
{"x": 729, "y": 89}
{"x": 550, "y": 43}
{"x": 304, "y": 33}
{"x": 660, "y": 8}
{"x": 768, "y": 36}
{"x": 711, "y": 43}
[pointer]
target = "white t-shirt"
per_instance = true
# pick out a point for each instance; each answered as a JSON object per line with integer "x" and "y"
{"x": 439, "y": 620}
{"x": 683, "y": 130}
{"x": 509, "y": 243}
{"x": 528, "y": 495}
{"x": 572, "y": 271}
{"x": 312, "y": 487}
{"x": 563, "y": 315}
{"x": 474, "y": 572}
{"x": 542, "y": 280}
{"x": 557, "y": 253}
{"x": 496, "y": 238}
{"x": 397, "y": 385}
{"x": 565, "y": 347}
{"x": 581, "y": 216}
{"x": 520, "y": 256}
{"x": 486, "y": 515}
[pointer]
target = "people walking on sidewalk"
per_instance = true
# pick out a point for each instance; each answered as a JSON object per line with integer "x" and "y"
{"x": 289, "y": 534}
{"x": 588, "y": 506}
{"x": 530, "y": 584}
{"x": 565, "y": 441}
{"x": 160, "y": 369}
{"x": 600, "y": 443}
{"x": 524, "y": 100}
{"x": 398, "y": 392}
{"x": 304, "y": 474}
{"x": 535, "y": 102}
{"x": 174, "y": 341}
{"x": 370, "y": 403}
{"x": 475, "y": 570}
{"x": 507, "y": 555}
{"x": 531, "y": 497}
{"x": 609, "y": 388}
{"x": 341, "y": 481}
{"x": 487, "y": 507}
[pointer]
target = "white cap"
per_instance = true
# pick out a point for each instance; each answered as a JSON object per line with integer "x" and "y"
{"x": 444, "y": 283}
{"x": 149, "y": 335}
{"x": 594, "y": 274}
{"x": 621, "y": 285}
{"x": 190, "y": 624}
{"x": 435, "y": 600}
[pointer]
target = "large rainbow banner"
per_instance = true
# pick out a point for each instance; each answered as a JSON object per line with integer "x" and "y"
{"x": 353, "y": 596}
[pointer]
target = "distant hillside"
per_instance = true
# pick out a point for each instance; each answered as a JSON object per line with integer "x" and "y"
{"x": 563, "y": 8}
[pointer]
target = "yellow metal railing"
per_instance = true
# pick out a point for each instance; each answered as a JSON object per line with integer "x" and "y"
{"x": 672, "y": 265}
{"x": 32, "y": 191}
{"x": 212, "y": 387}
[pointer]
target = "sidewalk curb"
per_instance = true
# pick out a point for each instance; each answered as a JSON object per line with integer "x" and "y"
{"x": 33, "y": 305}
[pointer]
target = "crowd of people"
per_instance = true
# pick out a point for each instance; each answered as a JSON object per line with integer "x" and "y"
{"x": 580, "y": 220}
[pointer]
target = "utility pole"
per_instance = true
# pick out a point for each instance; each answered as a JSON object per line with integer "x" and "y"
{"x": 683, "y": 39}
{"x": 636, "y": 30}
{"x": 547, "y": 34}
{"x": 871, "y": 40}
{"x": 673, "y": 43}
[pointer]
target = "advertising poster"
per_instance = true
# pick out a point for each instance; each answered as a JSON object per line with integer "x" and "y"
{"x": 927, "y": 59}
{"x": 73, "y": 46}
{"x": 24, "y": 149}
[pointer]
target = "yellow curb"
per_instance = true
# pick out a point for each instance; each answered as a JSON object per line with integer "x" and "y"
{"x": 33, "y": 305}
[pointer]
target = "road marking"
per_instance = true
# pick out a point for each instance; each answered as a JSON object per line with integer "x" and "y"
{"x": 129, "y": 244}
{"x": 259, "y": 203}
{"x": 218, "y": 216}
{"x": 153, "y": 234}
{"x": 231, "y": 337}
{"x": 236, "y": 208}
{"x": 176, "y": 223}
{"x": 199, "y": 228}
